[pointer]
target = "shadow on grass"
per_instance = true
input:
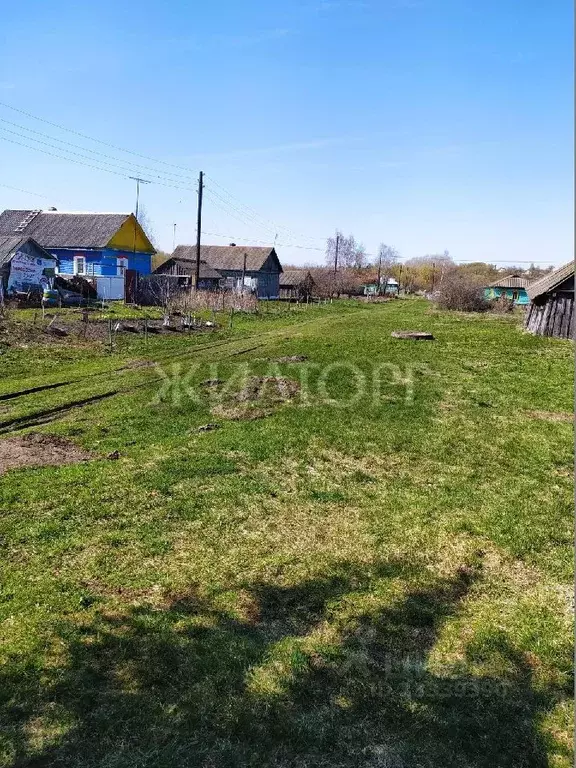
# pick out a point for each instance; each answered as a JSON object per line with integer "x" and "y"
{"x": 187, "y": 685}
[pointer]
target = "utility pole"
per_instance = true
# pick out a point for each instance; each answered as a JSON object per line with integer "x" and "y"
{"x": 336, "y": 254}
{"x": 138, "y": 182}
{"x": 244, "y": 272}
{"x": 174, "y": 238}
{"x": 379, "y": 274}
{"x": 337, "y": 248}
{"x": 199, "y": 227}
{"x": 433, "y": 275}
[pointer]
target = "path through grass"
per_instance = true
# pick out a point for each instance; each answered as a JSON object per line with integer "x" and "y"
{"x": 375, "y": 573}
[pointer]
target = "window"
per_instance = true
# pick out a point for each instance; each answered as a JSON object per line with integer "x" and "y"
{"x": 121, "y": 265}
{"x": 79, "y": 265}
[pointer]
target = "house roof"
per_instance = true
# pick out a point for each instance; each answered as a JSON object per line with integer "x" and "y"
{"x": 294, "y": 277}
{"x": 54, "y": 229}
{"x": 228, "y": 257}
{"x": 510, "y": 281}
{"x": 189, "y": 268}
{"x": 9, "y": 245}
{"x": 550, "y": 281}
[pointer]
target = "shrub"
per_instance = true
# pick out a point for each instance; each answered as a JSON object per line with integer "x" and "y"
{"x": 502, "y": 305}
{"x": 463, "y": 294}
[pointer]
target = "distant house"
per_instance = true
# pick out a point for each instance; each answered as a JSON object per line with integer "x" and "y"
{"x": 99, "y": 246}
{"x": 250, "y": 267}
{"x": 296, "y": 284}
{"x": 551, "y": 312}
{"x": 391, "y": 289}
{"x": 25, "y": 267}
{"x": 511, "y": 287}
{"x": 184, "y": 273}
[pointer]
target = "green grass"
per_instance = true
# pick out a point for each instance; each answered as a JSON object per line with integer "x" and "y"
{"x": 383, "y": 583}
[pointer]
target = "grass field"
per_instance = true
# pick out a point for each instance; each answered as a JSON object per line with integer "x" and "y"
{"x": 369, "y": 567}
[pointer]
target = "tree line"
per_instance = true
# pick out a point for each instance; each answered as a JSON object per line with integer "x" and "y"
{"x": 348, "y": 268}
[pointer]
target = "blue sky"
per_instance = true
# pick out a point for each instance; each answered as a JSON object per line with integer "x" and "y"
{"x": 426, "y": 124}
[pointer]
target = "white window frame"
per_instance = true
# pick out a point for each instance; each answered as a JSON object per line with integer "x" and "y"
{"x": 80, "y": 260}
{"x": 121, "y": 265}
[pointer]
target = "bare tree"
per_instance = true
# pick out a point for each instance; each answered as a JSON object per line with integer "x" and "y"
{"x": 146, "y": 223}
{"x": 387, "y": 259}
{"x": 351, "y": 255}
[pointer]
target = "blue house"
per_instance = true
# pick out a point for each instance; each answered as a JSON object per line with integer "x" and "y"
{"x": 101, "y": 247}
{"x": 511, "y": 287}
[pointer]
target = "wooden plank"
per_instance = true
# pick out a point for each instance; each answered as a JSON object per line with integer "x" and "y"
{"x": 541, "y": 320}
{"x": 530, "y": 318}
{"x": 565, "y": 326}
{"x": 533, "y": 319}
{"x": 536, "y": 320}
{"x": 560, "y": 309}
{"x": 553, "y": 316}
{"x": 545, "y": 318}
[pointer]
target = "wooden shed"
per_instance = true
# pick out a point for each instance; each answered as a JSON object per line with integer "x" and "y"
{"x": 184, "y": 270}
{"x": 296, "y": 284}
{"x": 25, "y": 267}
{"x": 551, "y": 311}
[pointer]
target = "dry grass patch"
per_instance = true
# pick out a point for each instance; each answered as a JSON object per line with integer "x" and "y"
{"x": 550, "y": 415}
{"x": 39, "y": 450}
{"x": 259, "y": 397}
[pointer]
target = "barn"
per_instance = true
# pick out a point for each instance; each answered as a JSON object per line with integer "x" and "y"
{"x": 551, "y": 311}
{"x": 254, "y": 267}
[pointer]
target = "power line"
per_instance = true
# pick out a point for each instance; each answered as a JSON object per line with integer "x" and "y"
{"x": 248, "y": 217}
{"x": 275, "y": 225}
{"x": 91, "y": 138}
{"x": 60, "y": 157}
{"x": 87, "y": 165}
{"x": 25, "y": 191}
{"x": 84, "y": 157}
{"x": 230, "y": 211}
{"x": 249, "y": 208}
{"x": 262, "y": 242}
{"x": 87, "y": 149}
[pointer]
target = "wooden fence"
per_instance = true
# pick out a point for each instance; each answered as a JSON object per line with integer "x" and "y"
{"x": 553, "y": 318}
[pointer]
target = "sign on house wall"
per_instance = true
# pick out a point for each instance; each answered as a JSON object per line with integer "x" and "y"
{"x": 28, "y": 272}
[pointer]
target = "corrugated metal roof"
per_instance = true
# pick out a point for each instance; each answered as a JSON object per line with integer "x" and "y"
{"x": 9, "y": 244}
{"x": 510, "y": 281}
{"x": 53, "y": 229}
{"x": 228, "y": 257}
{"x": 550, "y": 281}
